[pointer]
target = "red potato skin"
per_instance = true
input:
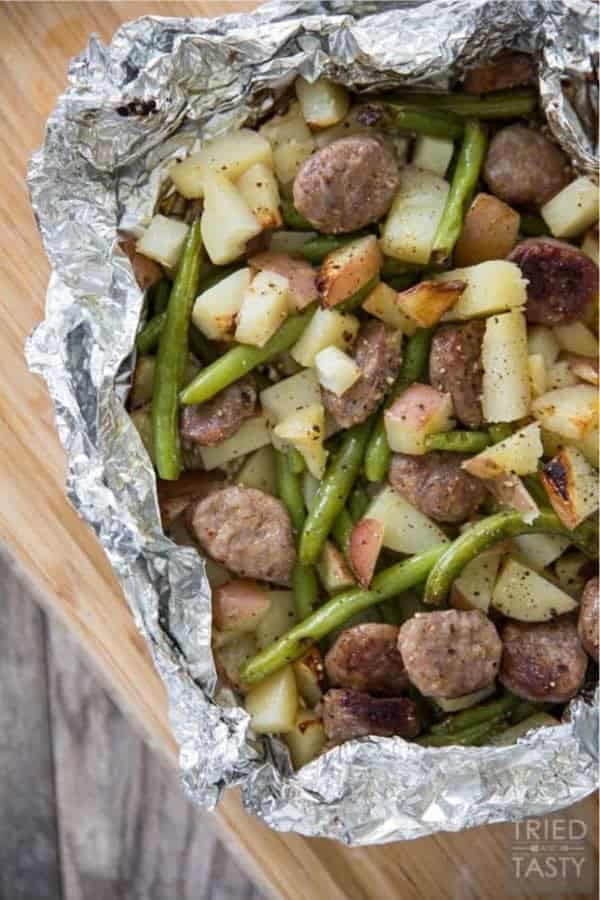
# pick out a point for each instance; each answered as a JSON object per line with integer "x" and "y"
{"x": 147, "y": 272}
{"x": 300, "y": 274}
{"x": 366, "y": 541}
{"x": 415, "y": 406}
{"x": 239, "y": 605}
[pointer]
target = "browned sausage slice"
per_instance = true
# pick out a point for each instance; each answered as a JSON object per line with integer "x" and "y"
{"x": 455, "y": 368}
{"x": 562, "y": 280}
{"x": 366, "y": 658}
{"x": 507, "y": 70}
{"x": 437, "y": 485}
{"x": 210, "y": 423}
{"x": 589, "y": 615}
{"x": 246, "y": 530}
{"x": 352, "y": 714}
{"x": 542, "y": 661}
{"x": 377, "y": 354}
{"x": 147, "y": 272}
{"x": 347, "y": 184}
{"x": 449, "y": 653}
{"x": 523, "y": 167}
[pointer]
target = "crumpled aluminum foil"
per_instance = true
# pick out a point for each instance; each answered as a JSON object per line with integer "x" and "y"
{"x": 100, "y": 170}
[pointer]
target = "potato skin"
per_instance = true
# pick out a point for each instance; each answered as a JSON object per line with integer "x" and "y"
{"x": 490, "y": 231}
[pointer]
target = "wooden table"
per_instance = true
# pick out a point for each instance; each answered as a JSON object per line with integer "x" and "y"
{"x": 36, "y": 42}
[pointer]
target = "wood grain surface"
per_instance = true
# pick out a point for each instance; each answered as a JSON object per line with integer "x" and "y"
{"x": 36, "y": 42}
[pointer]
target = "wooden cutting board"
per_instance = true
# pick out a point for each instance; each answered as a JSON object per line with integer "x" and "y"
{"x": 36, "y": 43}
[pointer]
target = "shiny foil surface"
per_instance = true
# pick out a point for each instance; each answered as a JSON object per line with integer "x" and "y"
{"x": 99, "y": 171}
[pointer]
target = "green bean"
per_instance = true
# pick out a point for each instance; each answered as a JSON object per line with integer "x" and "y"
{"x": 475, "y": 715}
{"x": 466, "y": 175}
{"x": 414, "y": 363}
{"x": 468, "y": 737}
{"x": 218, "y": 274}
{"x": 536, "y": 489}
{"x": 358, "y": 298}
{"x": 420, "y": 120}
{"x": 493, "y": 529}
{"x": 292, "y": 218}
{"x": 289, "y": 490}
{"x": 402, "y": 282}
{"x": 358, "y": 502}
{"x": 338, "y": 610}
{"x": 305, "y": 587}
{"x": 392, "y": 267}
{"x": 333, "y": 491}
{"x": 533, "y": 226}
{"x": 242, "y": 358}
{"x": 149, "y": 336}
{"x": 201, "y": 347}
{"x": 401, "y": 609}
{"x": 296, "y": 461}
{"x": 341, "y": 531}
{"x": 160, "y": 296}
{"x": 500, "y": 431}
{"x": 497, "y": 105}
{"x": 510, "y": 735}
{"x": 172, "y": 356}
{"x": 458, "y": 441}
{"x": 318, "y": 248}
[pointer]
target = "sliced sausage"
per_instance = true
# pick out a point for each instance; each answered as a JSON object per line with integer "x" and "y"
{"x": 448, "y": 653}
{"x": 377, "y": 354}
{"x": 455, "y": 368}
{"x": 352, "y": 714}
{"x": 347, "y": 184}
{"x": 524, "y": 167}
{"x": 210, "y": 423}
{"x": 436, "y": 484}
{"x": 542, "y": 661}
{"x": 562, "y": 280}
{"x": 246, "y": 530}
{"x": 147, "y": 272}
{"x": 507, "y": 70}
{"x": 589, "y": 615}
{"x": 366, "y": 658}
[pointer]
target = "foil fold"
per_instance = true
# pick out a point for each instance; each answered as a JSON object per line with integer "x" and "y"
{"x": 131, "y": 107}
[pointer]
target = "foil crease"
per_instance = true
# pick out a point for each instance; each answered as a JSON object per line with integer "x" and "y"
{"x": 100, "y": 170}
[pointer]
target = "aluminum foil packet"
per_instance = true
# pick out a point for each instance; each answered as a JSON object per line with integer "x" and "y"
{"x": 130, "y": 107}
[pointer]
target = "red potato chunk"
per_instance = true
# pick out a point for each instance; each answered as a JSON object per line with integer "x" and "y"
{"x": 300, "y": 274}
{"x": 239, "y": 605}
{"x": 366, "y": 542}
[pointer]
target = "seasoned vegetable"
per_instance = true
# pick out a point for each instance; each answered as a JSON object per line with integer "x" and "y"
{"x": 426, "y": 303}
{"x": 492, "y": 287}
{"x": 345, "y": 271}
{"x": 572, "y": 210}
{"x": 490, "y": 231}
{"x": 506, "y": 390}
{"x": 522, "y": 594}
{"x": 322, "y": 103}
{"x": 163, "y": 241}
{"x": 572, "y": 486}
{"x": 216, "y": 309}
{"x": 410, "y": 228}
{"x": 419, "y": 411}
{"x": 264, "y": 308}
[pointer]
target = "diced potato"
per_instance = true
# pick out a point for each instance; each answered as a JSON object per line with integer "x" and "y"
{"x": 588, "y": 445}
{"x": 290, "y": 126}
{"x": 259, "y": 472}
{"x": 522, "y": 594}
{"x": 473, "y": 587}
{"x": 518, "y": 454}
{"x": 231, "y": 656}
{"x": 227, "y": 223}
{"x": 290, "y": 242}
{"x": 406, "y": 529}
{"x": 560, "y": 375}
{"x": 334, "y": 572}
{"x": 290, "y": 394}
{"x": 366, "y": 542}
{"x": 310, "y": 676}
{"x": 572, "y": 486}
{"x": 492, "y": 287}
{"x": 163, "y": 240}
{"x": 216, "y": 310}
{"x": 288, "y": 159}
{"x": 572, "y": 571}
{"x": 542, "y": 341}
{"x": 349, "y": 126}
{"x": 310, "y": 486}
{"x": 420, "y": 410}
{"x": 537, "y": 375}
{"x": 427, "y": 302}
{"x": 539, "y": 550}
{"x": 188, "y": 176}
{"x": 322, "y": 103}
{"x": 506, "y": 392}
{"x": 279, "y": 618}
{"x": 455, "y": 704}
{"x": 302, "y": 278}
{"x": 264, "y": 308}
{"x": 258, "y": 186}
{"x": 229, "y": 154}
{"x": 307, "y": 739}
{"x": 327, "y": 328}
{"x": 570, "y": 411}
{"x": 573, "y": 209}
{"x": 511, "y": 493}
{"x": 273, "y": 703}
{"x": 239, "y": 605}
{"x": 409, "y": 230}
{"x": 336, "y": 370}
{"x": 253, "y": 434}
{"x": 490, "y": 231}
{"x": 432, "y": 154}
{"x": 382, "y": 303}
{"x": 575, "y": 337}
{"x": 305, "y": 430}
{"x": 584, "y": 368}
{"x": 346, "y": 270}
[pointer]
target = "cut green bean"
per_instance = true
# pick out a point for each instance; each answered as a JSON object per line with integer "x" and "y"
{"x": 201, "y": 347}
{"x": 296, "y": 461}
{"x": 458, "y": 441}
{"x": 305, "y": 587}
{"x": 402, "y": 282}
{"x": 489, "y": 531}
{"x": 292, "y": 218}
{"x": 242, "y": 358}
{"x": 500, "y": 432}
{"x": 358, "y": 502}
{"x": 333, "y": 492}
{"x": 533, "y": 226}
{"x": 420, "y": 120}
{"x": 497, "y": 105}
{"x": 160, "y": 296}
{"x": 149, "y": 336}
{"x": 476, "y": 715}
{"x": 289, "y": 490}
{"x": 505, "y": 736}
{"x": 342, "y": 530}
{"x": 537, "y": 490}
{"x": 466, "y": 175}
{"x": 468, "y": 737}
{"x": 358, "y": 298}
{"x": 172, "y": 357}
{"x": 338, "y": 610}
{"x": 316, "y": 250}
{"x": 414, "y": 364}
